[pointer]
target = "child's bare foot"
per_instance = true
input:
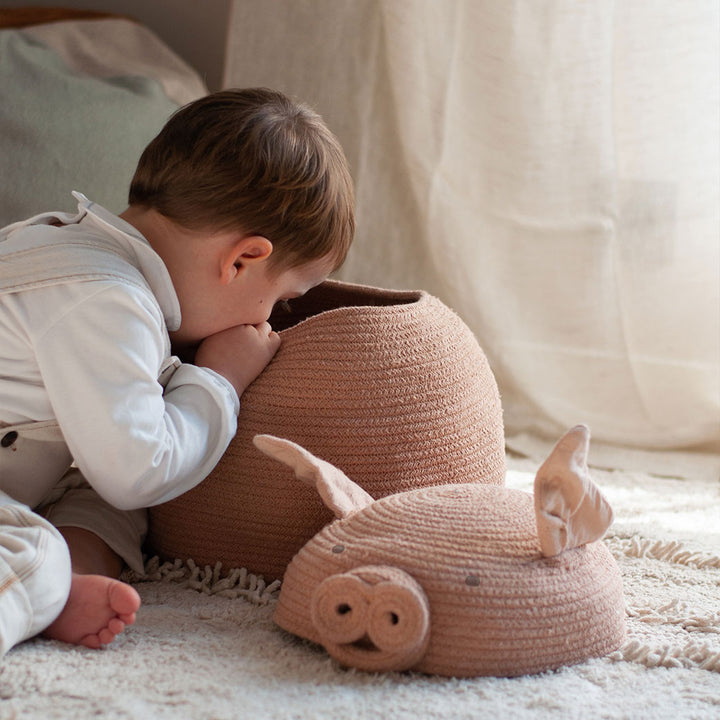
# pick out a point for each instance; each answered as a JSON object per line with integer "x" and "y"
{"x": 98, "y": 609}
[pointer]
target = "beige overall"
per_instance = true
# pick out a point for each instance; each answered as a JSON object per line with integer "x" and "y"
{"x": 37, "y": 480}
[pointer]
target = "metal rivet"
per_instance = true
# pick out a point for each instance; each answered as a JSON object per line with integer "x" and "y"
{"x": 472, "y": 580}
{"x": 9, "y": 438}
{"x": 338, "y": 549}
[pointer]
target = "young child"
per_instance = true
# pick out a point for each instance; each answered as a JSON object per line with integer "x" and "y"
{"x": 244, "y": 199}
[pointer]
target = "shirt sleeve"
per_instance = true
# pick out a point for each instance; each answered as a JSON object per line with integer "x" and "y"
{"x": 136, "y": 444}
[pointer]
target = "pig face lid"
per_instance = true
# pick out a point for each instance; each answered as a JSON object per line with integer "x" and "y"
{"x": 395, "y": 584}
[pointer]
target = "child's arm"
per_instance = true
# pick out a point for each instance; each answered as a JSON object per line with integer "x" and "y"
{"x": 137, "y": 445}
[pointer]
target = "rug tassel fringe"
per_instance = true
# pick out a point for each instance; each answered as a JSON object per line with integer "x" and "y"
{"x": 207, "y": 579}
{"x": 670, "y": 551}
{"x": 690, "y": 656}
{"x": 678, "y": 613}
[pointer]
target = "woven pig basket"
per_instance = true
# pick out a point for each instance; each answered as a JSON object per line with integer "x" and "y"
{"x": 457, "y": 580}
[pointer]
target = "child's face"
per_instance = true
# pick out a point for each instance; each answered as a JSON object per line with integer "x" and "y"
{"x": 247, "y": 300}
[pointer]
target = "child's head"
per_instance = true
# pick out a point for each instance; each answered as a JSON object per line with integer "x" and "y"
{"x": 254, "y": 161}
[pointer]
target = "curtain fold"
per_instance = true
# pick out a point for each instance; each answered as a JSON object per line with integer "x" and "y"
{"x": 549, "y": 170}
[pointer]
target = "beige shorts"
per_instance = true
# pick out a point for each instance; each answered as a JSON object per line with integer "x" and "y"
{"x": 73, "y": 503}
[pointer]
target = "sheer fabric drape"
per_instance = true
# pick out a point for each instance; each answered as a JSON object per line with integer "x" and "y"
{"x": 549, "y": 170}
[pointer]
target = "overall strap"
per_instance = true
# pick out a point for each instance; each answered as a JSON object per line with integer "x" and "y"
{"x": 32, "y": 257}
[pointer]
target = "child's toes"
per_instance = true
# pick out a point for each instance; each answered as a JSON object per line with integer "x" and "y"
{"x": 92, "y": 641}
{"x": 123, "y": 599}
{"x": 115, "y": 626}
{"x": 127, "y": 619}
{"x": 106, "y": 636}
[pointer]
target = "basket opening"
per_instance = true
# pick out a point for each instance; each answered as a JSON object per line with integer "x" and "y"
{"x": 332, "y": 295}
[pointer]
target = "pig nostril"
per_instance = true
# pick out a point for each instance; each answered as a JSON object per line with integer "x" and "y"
{"x": 365, "y": 644}
{"x": 339, "y": 608}
{"x": 394, "y": 619}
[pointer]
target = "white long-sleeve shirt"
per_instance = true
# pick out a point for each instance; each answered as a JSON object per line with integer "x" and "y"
{"x": 85, "y": 308}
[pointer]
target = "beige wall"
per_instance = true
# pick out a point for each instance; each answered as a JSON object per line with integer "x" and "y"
{"x": 195, "y": 29}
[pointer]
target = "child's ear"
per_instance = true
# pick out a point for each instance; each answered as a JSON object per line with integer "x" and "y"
{"x": 244, "y": 252}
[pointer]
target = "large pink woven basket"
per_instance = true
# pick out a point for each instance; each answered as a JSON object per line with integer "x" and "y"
{"x": 391, "y": 386}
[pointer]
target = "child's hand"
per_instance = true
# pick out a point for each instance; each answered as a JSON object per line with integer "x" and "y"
{"x": 239, "y": 353}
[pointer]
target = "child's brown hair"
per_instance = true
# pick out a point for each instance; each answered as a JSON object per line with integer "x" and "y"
{"x": 252, "y": 160}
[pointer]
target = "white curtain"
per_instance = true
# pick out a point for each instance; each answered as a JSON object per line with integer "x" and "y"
{"x": 549, "y": 169}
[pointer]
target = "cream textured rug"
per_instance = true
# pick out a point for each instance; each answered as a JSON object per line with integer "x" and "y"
{"x": 206, "y": 648}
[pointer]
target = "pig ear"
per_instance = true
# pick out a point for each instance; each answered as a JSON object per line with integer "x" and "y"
{"x": 339, "y": 493}
{"x": 569, "y": 508}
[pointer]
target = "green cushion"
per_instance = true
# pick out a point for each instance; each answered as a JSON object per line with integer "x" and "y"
{"x": 61, "y": 130}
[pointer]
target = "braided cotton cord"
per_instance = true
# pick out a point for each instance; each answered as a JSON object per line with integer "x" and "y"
{"x": 390, "y": 386}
